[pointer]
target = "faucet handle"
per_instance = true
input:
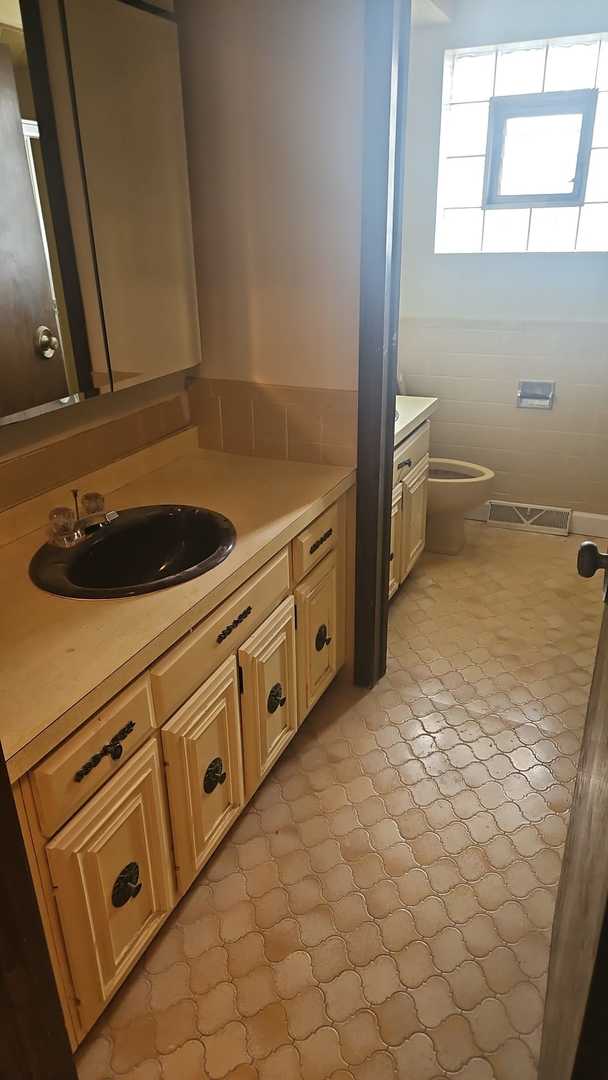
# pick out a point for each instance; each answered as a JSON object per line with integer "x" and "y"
{"x": 93, "y": 502}
{"x": 62, "y": 530}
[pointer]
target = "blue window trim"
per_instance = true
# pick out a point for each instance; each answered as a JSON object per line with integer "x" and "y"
{"x": 557, "y": 103}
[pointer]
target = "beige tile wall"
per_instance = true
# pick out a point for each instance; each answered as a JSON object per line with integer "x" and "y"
{"x": 557, "y": 457}
{"x": 32, "y": 470}
{"x": 289, "y": 422}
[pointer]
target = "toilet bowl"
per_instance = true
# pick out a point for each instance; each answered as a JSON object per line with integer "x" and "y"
{"x": 454, "y": 488}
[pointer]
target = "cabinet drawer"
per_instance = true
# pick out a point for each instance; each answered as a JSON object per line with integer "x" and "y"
{"x": 204, "y": 759}
{"x": 394, "y": 570}
{"x": 410, "y": 452}
{"x": 71, "y": 774}
{"x": 269, "y": 697}
{"x": 182, "y": 670}
{"x": 313, "y": 544}
{"x": 114, "y": 884}
{"x": 316, "y": 600}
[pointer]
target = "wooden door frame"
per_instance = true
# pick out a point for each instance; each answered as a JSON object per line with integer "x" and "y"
{"x": 386, "y": 49}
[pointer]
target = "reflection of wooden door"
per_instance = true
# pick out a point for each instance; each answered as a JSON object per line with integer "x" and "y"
{"x": 575, "y": 1031}
{"x": 26, "y": 379}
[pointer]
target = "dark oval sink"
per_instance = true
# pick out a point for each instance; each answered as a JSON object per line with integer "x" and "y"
{"x": 140, "y": 550}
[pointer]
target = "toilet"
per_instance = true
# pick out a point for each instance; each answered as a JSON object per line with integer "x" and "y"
{"x": 454, "y": 488}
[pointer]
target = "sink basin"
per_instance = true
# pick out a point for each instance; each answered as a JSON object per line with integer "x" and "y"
{"x": 142, "y": 549}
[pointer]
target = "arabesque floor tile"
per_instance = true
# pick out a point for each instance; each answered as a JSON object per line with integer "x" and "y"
{"x": 382, "y": 910}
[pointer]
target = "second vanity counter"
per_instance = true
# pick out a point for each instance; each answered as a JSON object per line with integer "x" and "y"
{"x": 64, "y": 658}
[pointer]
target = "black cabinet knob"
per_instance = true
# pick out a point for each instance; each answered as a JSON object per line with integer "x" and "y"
{"x": 214, "y": 774}
{"x": 127, "y": 885}
{"x": 322, "y": 639}
{"x": 276, "y": 698}
{"x": 589, "y": 559}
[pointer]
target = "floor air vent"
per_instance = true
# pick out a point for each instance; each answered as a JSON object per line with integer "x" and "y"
{"x": 551, "y": 519}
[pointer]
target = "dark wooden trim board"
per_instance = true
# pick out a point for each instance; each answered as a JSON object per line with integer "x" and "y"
{"x": 33, "y": 1040}
{"x": 387, "y": 26}
{"x": 49, "y": 145}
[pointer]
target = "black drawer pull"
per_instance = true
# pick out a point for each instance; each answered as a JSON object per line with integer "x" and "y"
{"x": 322, "y": 639}
{"x": 276, "y": 698}
{"x": 214, "y": 775}
{"x": 127, "y": 885}
{"x": 317, "y": 544}
{"x": 233, "y": 625}
{"x": 407, "y": 464}
{"x": 112, "y": 749}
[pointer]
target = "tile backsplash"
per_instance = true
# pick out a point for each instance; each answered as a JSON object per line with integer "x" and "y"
{"x": 555, "y": 457}
{"x": 32, "y": 470}
{"x": 287, "y": 422}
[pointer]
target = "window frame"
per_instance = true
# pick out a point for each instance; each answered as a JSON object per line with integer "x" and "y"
{"x": 553, "y": 103}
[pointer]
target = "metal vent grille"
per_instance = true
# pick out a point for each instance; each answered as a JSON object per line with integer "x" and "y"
{"x": 551, "y": 519}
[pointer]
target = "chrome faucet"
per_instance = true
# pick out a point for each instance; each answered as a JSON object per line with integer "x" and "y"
{"x": 69, "y": 527}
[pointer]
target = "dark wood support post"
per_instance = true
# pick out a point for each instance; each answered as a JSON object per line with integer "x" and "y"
{"x": 387, "y": 27}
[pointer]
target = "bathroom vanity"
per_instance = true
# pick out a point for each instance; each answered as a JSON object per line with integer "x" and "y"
{"x": 410, "y": 485}
{"x": 137, "y": 729}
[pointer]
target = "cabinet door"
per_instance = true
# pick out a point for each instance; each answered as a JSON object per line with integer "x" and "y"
{"x": 394, "y": 570}
{"x": 203, "y": 755}
{"x": 415, "y": 498}
{"x": 111, "y": 867}
{"x": 316, "y": 600}
{"x": 268, "y": 699}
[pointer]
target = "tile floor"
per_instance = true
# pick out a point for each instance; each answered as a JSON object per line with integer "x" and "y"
{"x": 382, "y": 910}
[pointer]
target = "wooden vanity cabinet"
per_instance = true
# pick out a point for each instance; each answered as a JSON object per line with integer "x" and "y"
{"x": 111, "y": 868}
{"x": 203, "y": 759}
{"x": 317, "y": 634}
{"x": 415, "y": 499}
{"x": 198, "y": 732}
{"x": 394, "y": 570}
{"x": 269, "y": 707}
{"x": 410, "y": 498}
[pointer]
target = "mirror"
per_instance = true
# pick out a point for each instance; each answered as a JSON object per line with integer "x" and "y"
{"x": 97, "y": 278}
{"x": 38, "y": 367}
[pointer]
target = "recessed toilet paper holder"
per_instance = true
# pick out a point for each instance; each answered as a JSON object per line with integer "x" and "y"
{"x": 535, "y": 394}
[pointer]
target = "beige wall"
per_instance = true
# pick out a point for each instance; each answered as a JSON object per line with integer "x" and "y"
{"x": 473, "y": 325}
{"x": 273, "y": 103}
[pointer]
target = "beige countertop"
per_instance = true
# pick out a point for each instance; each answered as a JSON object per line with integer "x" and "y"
{"x": 64, "y": 658}
{"x": 413, "y": 411}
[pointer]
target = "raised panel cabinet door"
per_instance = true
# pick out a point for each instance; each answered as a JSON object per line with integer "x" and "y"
{"x": 394, "y": 570}
{"x": 415, "y": 500}
{"x": 112, "y": 871}
{"x": 269, "y": 709}
{"x": 316, "y": 601}
{"x": 204, "y": 763}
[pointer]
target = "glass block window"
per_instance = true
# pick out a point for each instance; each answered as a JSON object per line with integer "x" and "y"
{"x": 524, "y": 148}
